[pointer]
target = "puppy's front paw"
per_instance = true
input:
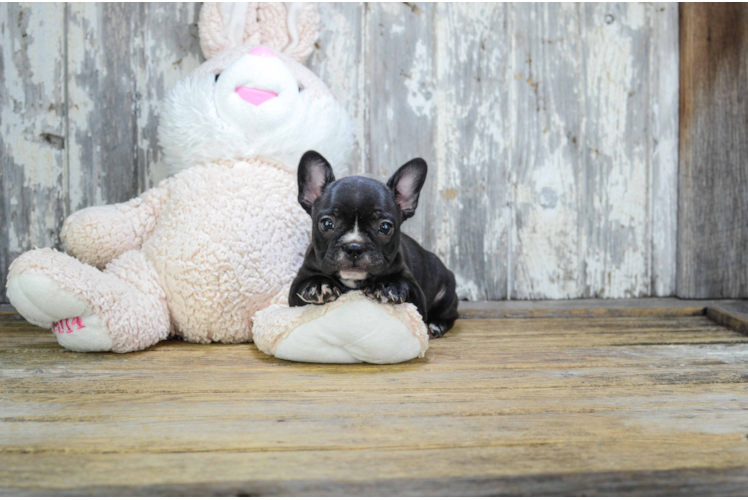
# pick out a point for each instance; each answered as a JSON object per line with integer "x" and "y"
{"x": 319, "y": 293}
{"x": 388, "y": 293}
{"x": 437, "y": 330}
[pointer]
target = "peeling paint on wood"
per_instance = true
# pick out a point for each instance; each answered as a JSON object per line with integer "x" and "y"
{"x": 546, "y": 158}
{"x": 471, "y": 218}
{"x": 550, "y": 129}
{"x": 122, "y": 60}
{"x": 32, "y": 122}
{"x": 81, "y": 86}
{"x": 663, "y": 145}
{"x": 339, "y": 62}
{"x": 400, "y": 88}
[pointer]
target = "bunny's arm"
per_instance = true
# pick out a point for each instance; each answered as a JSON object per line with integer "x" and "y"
{"x": 97, "y": 235}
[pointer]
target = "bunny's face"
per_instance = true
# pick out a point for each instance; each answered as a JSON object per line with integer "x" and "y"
{"x": 257, "y": 92}
{"x": 252, "y": 100}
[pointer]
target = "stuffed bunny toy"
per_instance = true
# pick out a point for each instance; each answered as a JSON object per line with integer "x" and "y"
{"x": 223, "y": 236}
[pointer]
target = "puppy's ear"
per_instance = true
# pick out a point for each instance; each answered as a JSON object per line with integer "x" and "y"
{"x": 406, "y": 185}
{"x": 315, "y": 173}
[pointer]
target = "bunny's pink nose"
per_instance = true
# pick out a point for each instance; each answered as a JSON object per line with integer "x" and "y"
{"x": 262, "y": 52}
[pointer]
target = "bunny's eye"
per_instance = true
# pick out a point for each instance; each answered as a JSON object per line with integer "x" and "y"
{"x": 217, "y": 75}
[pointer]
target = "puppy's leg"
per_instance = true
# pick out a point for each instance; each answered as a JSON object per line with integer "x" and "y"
{"x": 315, "y": 290}
{"x": 388, "y": 292}
{"x": 443, "y": 312}
{"x": 397, "y": 290}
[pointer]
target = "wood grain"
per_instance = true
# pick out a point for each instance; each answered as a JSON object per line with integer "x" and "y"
{"x": 713, "y": 201}
{"x": 33, "y": 162}
{"x": 549, "y": 130}
{"x": 471, "y": 218}
{"x": 681, "y": 482}
{"x": 547, "y": 157}
{"x": 664, "y": 66}
{"x": 122, "y": 59}
{"x": 401, "y": 86}
{"x": 619, "y": 404}
{"x": 340, "y": 62}
{"x": 615, "y": 199}
{"x": 81, "y": 85}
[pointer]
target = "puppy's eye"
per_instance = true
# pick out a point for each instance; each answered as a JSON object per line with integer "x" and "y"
{"x": 217, "y": 75}
{"x": 326, "y": 224}
{"x": 385, "y": 227}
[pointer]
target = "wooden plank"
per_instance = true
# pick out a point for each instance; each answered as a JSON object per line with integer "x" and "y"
{"x": 468, "y": 217}
{"x": 106, "y": 66}
{"x": 401, "y": 103}
{"x": 582, "y": 399}
{"x": 587, "y": 308}
{"x": 734, "y": 318}
{"x": 160, "y": 372}
{"x": 167, "y": 49}
{"x": 680, "y": 482}
{"x": 102, "y": 103}
{"x": 122, "y": 60}
{"x": 663, "y": 146}
{"x": 339, "y": 62}
{"x": 350, "y": 479}
{"x": 547, "y": 157}
{"x": 289, "y": 431}
{"x": 712, "y": 234}
{"x": 614, "y": 194}
{"x": 512, "y": 204}
{"x": 583, "y": 304}
{"x": 32, "y": 129}
{"x": 593, "y": 215}
{"x": 203, "y": 407}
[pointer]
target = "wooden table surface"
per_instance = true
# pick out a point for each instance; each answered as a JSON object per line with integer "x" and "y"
{"x": 591, "y": 403}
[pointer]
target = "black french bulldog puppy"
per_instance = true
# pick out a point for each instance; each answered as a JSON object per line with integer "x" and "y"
{"x": 357, "y": 243}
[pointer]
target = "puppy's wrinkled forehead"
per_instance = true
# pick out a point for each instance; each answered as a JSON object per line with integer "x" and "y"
{"x": 359, "y": 196}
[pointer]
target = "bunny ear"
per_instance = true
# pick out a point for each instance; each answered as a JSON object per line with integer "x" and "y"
{"x": 289, "y": 28}
{"x": 303, "y": 29}
{"x": 226, "y": 25}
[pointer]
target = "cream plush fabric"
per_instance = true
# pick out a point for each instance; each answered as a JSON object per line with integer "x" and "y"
{"x": 222, "y": 238}
{"x": 353, "y": 329}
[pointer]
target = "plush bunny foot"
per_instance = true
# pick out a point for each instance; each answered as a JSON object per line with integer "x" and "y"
{"x": 44, "y": 303}
{"x": 122, "y": 309}
{"x": 352, "y": 329}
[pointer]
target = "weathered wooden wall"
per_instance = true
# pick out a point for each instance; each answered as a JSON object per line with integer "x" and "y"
{"x": 550, "y": 129}
{"x": 80, "y": 86}
{"x": 713, "y": 199}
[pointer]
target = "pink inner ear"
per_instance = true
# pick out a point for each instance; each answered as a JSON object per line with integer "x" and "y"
{"x": 261, "y": 52}
{"x": 404, "y": 191}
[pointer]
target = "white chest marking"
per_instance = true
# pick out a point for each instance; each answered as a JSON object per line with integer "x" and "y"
{"x": 353, "y": 279}
{"x": 351, "y": 283}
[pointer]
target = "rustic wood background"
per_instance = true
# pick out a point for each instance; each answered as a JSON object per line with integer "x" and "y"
{"x": 551, "y": 130}
{"x": 713, "y": 198}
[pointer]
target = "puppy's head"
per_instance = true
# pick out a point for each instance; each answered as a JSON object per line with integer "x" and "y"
{"x": 355, "y": 220}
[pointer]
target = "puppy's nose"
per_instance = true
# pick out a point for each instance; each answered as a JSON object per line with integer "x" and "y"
{"x": 353, "y": 249}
